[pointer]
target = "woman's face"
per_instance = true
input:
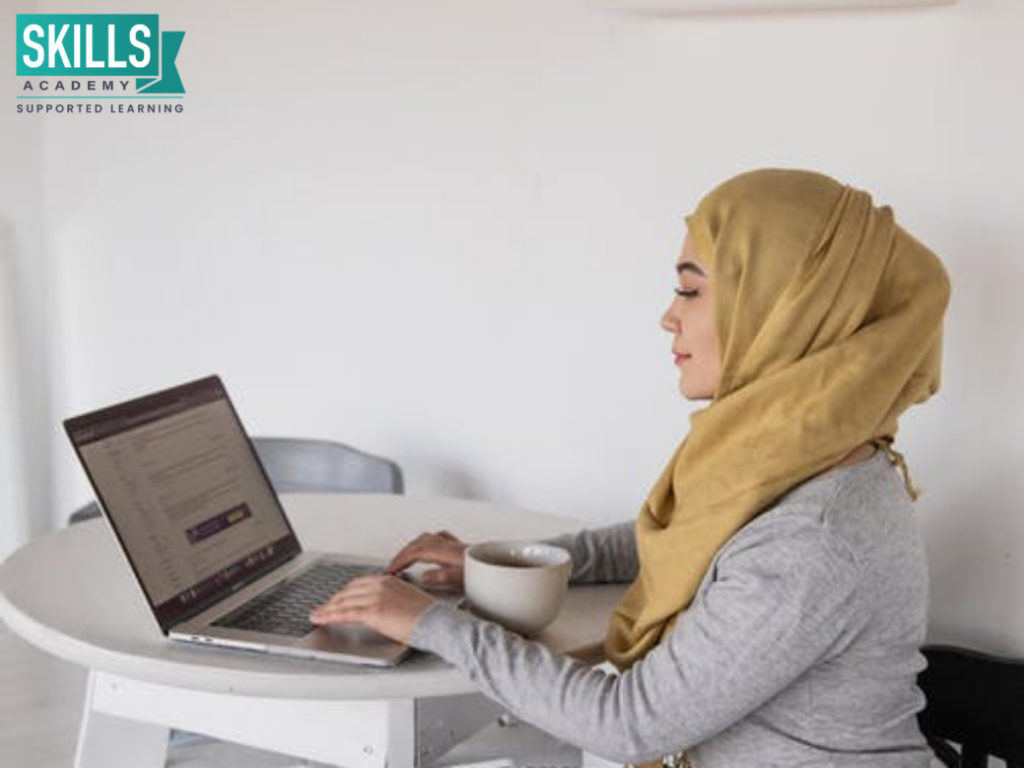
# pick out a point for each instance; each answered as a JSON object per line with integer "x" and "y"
{"x": 690, "y": 319}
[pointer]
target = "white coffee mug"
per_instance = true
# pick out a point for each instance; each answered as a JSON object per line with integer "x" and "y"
{"x": 519, "y": 584}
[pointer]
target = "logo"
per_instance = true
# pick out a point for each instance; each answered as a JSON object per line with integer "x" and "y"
{"x": 97, "y": 62}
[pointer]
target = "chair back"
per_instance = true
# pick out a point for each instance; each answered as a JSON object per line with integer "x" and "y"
{"x": 975, "y": 700}
{"x": 311, "y": 466}
{"x": 299, "y": 465}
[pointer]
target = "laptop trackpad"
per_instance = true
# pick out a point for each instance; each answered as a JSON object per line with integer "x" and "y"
{"x": 348, "y": 635}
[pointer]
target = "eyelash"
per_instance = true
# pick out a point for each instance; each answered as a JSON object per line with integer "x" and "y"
{"x": 685, "y": 294}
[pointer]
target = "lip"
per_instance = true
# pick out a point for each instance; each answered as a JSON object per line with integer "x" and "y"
{"x": 681, "y": 359}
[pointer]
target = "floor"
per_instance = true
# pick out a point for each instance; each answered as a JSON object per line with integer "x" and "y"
{"x": 40, "y": 704}
{"x": 41, "y": 700}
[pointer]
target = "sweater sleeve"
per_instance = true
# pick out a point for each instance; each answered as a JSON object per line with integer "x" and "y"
{"x": 777, "y": 604}
{"x": 601, "y": 555}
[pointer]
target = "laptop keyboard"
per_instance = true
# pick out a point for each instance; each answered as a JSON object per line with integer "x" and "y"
{"x": 284, "y": 610}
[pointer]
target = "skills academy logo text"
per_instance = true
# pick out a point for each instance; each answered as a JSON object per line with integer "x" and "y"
{"x": 97, "y": 63}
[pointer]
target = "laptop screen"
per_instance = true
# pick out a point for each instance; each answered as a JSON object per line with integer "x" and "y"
{"x": 186, "y": 495}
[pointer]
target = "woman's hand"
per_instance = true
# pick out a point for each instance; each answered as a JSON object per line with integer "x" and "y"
{"x": 441, "y": 548}
{"x": 385, "y": 603}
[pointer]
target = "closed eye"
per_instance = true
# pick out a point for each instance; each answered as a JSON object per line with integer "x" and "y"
{"x": 685, "y": 294}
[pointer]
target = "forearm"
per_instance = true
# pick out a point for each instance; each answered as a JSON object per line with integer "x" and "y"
{"x": 572, "y": 701}
{"x": 601, "y": 555}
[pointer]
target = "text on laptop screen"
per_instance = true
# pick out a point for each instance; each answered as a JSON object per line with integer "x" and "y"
{"x": 187, "y": 498}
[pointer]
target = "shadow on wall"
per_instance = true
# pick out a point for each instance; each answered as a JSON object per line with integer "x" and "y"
{"x": 426, "y": 476}
{"x": 984, "y": 319}
{"x": 974, "y": 566}
{"x": 974, "y": 529}
{"x": 14, "y": 527}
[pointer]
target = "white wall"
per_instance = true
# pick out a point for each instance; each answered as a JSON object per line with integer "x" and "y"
{"x": 25, "y": 320}
{"x": 444, "y": 232}
{"x": 13, "y": 513}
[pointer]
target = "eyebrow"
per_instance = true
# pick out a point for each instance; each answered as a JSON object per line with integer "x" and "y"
{"x": 685, "y": 266}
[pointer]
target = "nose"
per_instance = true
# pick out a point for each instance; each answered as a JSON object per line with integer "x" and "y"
{"x": 669, "y": 322}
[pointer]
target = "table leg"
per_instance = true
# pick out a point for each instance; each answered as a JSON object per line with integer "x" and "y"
{"x": 444, "y": 721}
{"x": 401, "y": 730}
{"x": 109, "y": 741}
{"x": 420, "y": 731}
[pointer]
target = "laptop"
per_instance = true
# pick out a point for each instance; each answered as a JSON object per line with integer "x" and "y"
{"x": 205, "y": 534}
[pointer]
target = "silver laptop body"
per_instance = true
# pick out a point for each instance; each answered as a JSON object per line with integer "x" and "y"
{"x": 203, "y": 530}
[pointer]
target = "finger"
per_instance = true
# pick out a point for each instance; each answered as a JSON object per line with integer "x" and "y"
{"x": 403, "y": 554}
{"x": 340, "y": 615}
{"x": 423, "y": 553}
{"x": 399, "y": 563}
{"x": 344, "y": 602}
{"x": 348, "y": 595}
{"x": 367, "y": 580}
{"x": 403, "y": 559}
{"x": 440, "y": 576}
{"x": 364, "y": 585}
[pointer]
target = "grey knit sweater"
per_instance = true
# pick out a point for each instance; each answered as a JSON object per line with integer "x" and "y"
{"x": 801, "y": 647}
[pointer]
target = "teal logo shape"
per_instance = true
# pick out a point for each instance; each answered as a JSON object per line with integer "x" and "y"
{"x": 99, "y": 45}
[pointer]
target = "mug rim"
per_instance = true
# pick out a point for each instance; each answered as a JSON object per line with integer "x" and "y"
{"x": 564, "y": 557}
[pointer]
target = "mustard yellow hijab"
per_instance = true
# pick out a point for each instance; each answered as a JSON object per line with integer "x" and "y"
{"x": 829, "y": 319}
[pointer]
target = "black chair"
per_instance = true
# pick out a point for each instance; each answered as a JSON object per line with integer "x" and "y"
{"x": 975, "y": 700}
{"x": 300, "y": 465}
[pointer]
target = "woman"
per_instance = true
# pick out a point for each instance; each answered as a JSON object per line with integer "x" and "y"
{"x": 779, "y": 584}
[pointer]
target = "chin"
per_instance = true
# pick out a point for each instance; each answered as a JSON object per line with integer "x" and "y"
{"x": 690, "y": 394}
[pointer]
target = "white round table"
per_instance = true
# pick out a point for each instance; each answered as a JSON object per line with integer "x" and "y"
{"x": 72, "y": 593}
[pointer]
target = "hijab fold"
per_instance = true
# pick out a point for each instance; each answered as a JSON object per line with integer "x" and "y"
{"x": 829, "y": 319}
